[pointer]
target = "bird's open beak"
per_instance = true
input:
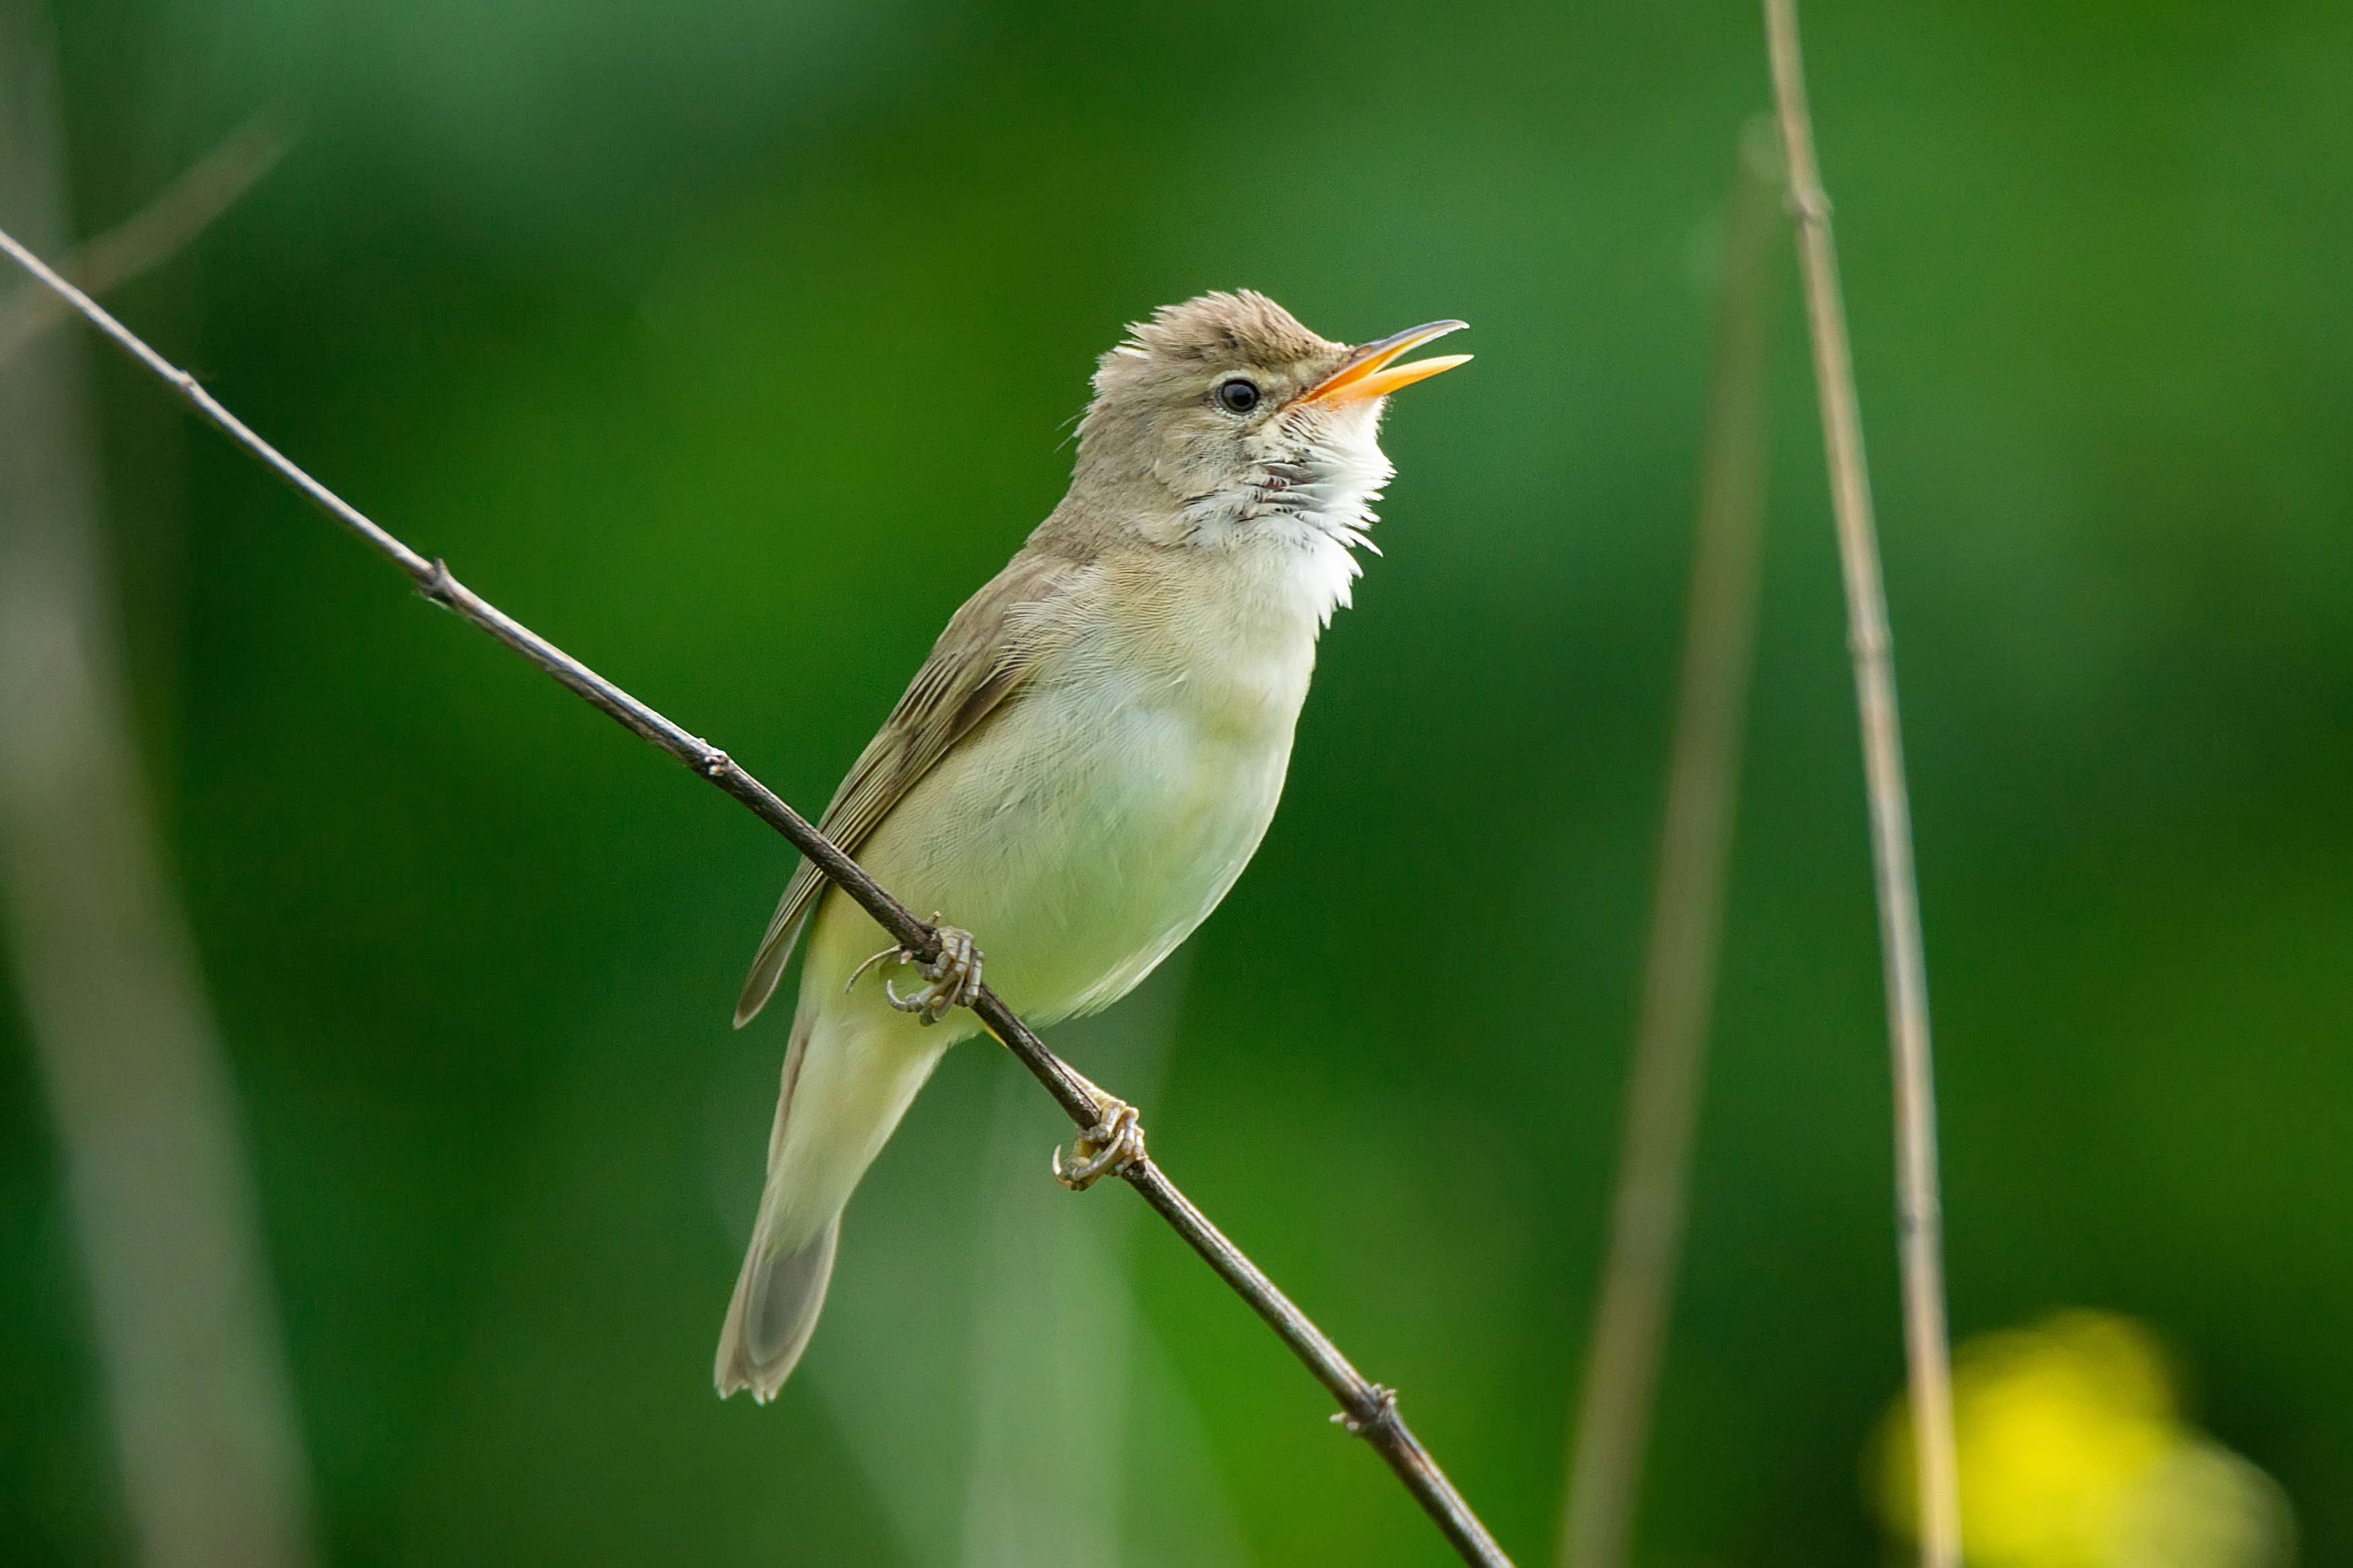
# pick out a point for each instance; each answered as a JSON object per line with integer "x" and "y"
{"x": 1367, "y": 372}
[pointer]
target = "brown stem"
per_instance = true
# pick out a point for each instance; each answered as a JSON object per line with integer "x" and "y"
{"x": 1366, "y": 1408}
{"x": 158, "y": 1188}
{"x": 1663, "y": 1084}
{"x": 1919, "y": 1214}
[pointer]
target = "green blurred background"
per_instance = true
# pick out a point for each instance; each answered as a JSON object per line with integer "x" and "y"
{"x": 732, "y": 343}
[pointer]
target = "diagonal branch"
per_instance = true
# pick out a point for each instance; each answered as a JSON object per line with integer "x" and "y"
{"x": 1919, "y": 1210}
{"x": 1366, "y": 1408}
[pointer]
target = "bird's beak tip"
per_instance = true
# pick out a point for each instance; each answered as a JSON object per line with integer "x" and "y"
{"x": 1369, "y": 371}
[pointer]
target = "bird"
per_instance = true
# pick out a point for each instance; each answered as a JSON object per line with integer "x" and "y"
{"x": 1085, "y": 762}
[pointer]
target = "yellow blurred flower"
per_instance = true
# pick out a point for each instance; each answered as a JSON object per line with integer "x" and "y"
{"x": 2072, "y": 1455}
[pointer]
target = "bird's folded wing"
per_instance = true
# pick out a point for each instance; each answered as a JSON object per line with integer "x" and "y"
{"x": 989, "y": 647}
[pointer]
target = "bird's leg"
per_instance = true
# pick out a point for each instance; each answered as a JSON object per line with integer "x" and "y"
{"x": 954, "y": 974}
{"x": 1113, "y": 1144}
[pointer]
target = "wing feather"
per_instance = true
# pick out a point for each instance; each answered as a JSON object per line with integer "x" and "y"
{"x": 989, "y": 647}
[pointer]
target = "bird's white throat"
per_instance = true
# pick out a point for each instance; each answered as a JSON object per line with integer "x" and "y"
{"x": 1307, "y": 501}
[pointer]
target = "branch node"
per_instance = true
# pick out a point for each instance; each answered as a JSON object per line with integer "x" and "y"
{"x": 714, "y": 764}
{"x": 438, "y": 586}
{"x": 1384, "y": 1413}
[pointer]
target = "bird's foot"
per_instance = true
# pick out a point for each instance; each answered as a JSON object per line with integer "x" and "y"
{"x": 954, "y": 976}
{"x": 1113, "y": 1144}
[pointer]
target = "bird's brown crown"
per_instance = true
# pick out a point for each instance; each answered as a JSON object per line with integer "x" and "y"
{"x": 1243, "y": 328}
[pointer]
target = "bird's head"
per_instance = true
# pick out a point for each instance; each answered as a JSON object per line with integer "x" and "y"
{"x": 1223, "y": 418}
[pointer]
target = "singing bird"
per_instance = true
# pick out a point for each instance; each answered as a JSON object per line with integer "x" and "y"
{"x": 1087, "y": 759}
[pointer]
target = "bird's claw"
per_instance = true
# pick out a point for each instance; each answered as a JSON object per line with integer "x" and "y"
{"x": 954, "y": 976}
{"x": 1106, "y": 1148}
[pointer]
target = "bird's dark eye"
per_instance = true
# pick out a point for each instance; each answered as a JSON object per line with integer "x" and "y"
{"x": 1238, "y": 396}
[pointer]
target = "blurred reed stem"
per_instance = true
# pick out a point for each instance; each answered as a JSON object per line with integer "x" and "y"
{"x": 1367, "y": 1410}
{"x": 1919, "y": 1213}
{"x": 163, "y": 1206}
{"x": 154, "y": 234}
{"x": 1664, "y": 1080}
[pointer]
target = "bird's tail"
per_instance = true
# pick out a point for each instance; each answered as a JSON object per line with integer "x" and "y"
{"x": 849, "y": 1076}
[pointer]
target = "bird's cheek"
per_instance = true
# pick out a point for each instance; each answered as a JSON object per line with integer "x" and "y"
{"x": 1190, "y": 464}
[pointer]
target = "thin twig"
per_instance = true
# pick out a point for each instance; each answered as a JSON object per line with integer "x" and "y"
{"x": 153, "y": 235}
{"x": 1919, "y": 1214}
{"x": 1663, "y": 1085}
{"x": 1366, "y": 1408}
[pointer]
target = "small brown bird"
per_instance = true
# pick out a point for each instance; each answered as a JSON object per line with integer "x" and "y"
{"x": 1087, "y": 759}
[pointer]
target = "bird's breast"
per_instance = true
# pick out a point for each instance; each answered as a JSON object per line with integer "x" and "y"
{"x": 1229, "y": 633}
{"x": 1086, "y": 828}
